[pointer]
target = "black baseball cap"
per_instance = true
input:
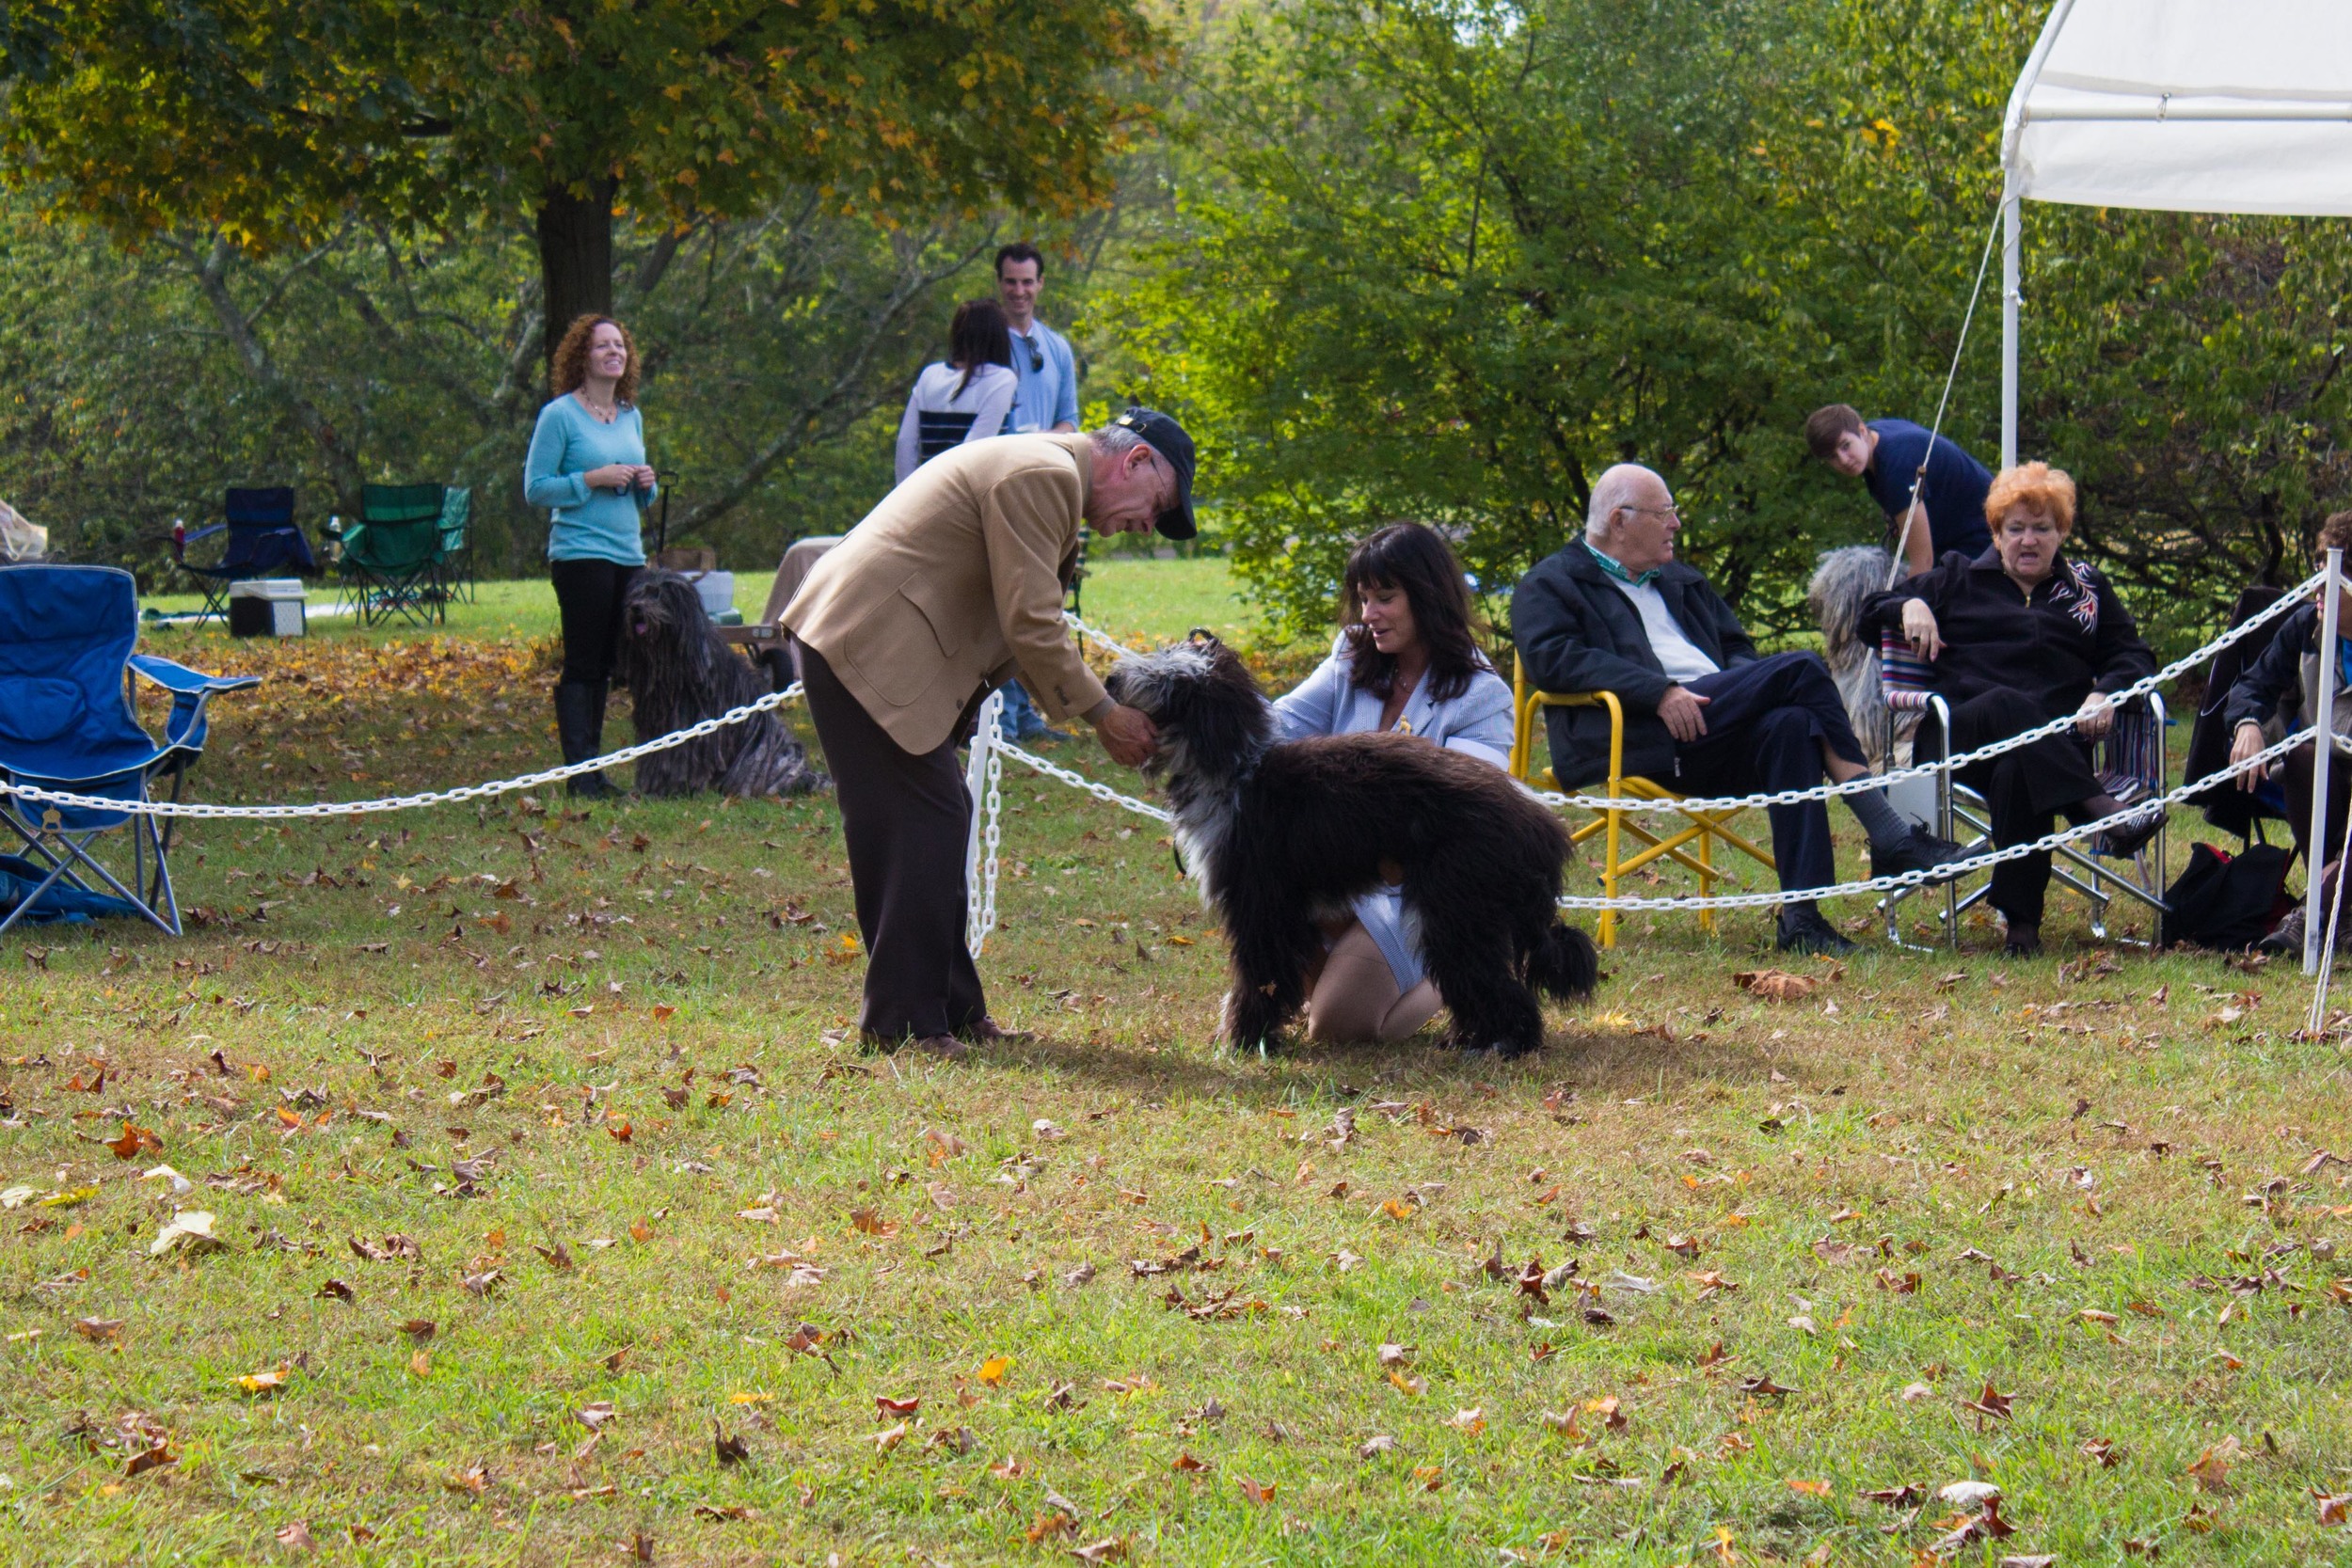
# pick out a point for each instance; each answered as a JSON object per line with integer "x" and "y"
{"x": 1166, "y": 438}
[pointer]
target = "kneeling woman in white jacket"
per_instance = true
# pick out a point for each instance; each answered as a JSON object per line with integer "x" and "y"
{"x": 965, "y": 396}
{"x": 1404, "y": 660}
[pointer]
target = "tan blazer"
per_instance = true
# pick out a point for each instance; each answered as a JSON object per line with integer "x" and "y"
{"x": 952, "y": 581}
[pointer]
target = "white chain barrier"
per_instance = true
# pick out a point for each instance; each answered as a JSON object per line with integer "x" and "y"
{"x": 2285, "y": 605}
{"x": 983, "y": 779}
{"x": 767, "y": 704}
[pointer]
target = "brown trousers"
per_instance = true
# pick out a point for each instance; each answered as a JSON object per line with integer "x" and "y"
{"x": 905, "y": 818}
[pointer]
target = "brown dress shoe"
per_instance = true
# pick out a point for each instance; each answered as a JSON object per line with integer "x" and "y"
{"x": 945, "y": 1047}
{"x": 989, "y": 1031}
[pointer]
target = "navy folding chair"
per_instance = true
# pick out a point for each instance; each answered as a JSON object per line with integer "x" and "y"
{"x": 263, "y": 541}
{"x": 67, "y": 722}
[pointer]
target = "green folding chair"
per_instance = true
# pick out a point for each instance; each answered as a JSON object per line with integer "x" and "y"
{"x": 393, "y": 556}
{"x": 456, "y": 573}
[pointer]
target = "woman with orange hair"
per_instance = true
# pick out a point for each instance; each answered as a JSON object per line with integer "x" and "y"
{"x": 587, "y": 463}
{"x": 2018, "y": 635}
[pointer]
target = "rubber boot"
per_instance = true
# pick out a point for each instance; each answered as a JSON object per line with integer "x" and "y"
{"x": 580, "y": 727}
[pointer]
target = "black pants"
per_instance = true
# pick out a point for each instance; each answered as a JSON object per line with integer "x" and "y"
{"x": 905, "y": 818}
{"x": 2021, "y": 789}
{"x": 1765, "y": 726}
{"x": 588, "y": 596}
{"x": 2297, "y": 778}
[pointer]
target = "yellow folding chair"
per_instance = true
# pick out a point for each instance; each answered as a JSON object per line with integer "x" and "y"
{"x": 1692, "y": 846}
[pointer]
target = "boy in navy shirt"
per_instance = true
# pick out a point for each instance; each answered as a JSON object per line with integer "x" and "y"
{"x": 1885, "y": 455}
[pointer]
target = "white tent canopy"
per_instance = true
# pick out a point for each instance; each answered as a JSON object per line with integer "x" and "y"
{"x": 2185, "y": 107}
{"x": 2181, "y": 105}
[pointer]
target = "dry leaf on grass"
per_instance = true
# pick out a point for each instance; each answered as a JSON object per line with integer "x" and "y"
{"x": 1776, "y": 984}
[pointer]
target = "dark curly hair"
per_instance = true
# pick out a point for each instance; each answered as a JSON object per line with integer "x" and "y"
{"x": 1415, "y": 558}
{"x": 570, "y": 367}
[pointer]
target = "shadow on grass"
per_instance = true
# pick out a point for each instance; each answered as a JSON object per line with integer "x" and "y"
{"x": 1611, "y": 1064}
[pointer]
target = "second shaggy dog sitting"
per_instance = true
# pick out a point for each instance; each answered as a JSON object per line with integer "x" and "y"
{"x": 1281, "y": 835}
{"x": 679, "y": 674}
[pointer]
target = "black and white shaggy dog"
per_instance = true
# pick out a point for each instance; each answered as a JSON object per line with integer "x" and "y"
{"x": 1282, "y": 835}
{"x": 679, "y": 673}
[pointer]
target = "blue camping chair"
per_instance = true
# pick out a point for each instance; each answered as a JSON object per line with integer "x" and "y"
{"x": 263, "y": 540}
{"x": 67, "y": 722}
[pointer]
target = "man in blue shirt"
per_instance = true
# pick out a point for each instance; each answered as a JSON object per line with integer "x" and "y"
{"x": 1885, "y": 455}
{"x": 1047, "y": 399}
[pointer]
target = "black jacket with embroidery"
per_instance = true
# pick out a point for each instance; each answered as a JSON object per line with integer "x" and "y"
{"x": 2056, "y": 646}
{"x": 1577, "y": 632}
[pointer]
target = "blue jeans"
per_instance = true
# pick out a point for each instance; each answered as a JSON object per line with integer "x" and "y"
{"x": 1021, "y": 718}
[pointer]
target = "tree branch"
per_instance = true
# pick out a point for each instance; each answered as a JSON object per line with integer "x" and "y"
{"x": 212, "y": 282}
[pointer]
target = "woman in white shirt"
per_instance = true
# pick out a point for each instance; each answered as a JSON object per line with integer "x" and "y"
{"x": 965, "y": 396}
{"x": 1406, "y": 660}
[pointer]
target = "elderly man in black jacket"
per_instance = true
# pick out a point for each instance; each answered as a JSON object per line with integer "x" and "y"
{"x": 1703, "y": 714}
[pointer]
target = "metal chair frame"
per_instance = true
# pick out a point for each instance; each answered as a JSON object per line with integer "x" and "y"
{"x": 2136, "y": 744}
{"x": 1691, "y": 848}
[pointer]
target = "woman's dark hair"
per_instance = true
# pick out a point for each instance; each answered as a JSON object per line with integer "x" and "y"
{"x": 979, "y": 336}
{"x": 1415, "y": 558}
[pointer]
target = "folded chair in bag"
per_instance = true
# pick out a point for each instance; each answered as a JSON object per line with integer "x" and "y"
{"x": 1691, "y": 846}
{"x": 263, "y": 541}
{"x": 2133, "y": 747}
{"x": 68, "y": 723}
{"x": 392, "y": 555}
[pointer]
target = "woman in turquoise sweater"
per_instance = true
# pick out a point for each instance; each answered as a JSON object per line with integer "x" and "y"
{"x": 587, "y": 462}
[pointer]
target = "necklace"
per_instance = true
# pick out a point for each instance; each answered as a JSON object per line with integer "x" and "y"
{"x": 602, "y": 414}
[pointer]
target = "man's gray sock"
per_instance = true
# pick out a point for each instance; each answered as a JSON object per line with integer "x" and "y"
{"x": 1879, "y": 820}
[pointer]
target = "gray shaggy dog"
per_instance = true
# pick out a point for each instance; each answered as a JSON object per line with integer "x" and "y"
{"x": 1282, "y": 835}
{"x": 679, "y": 673}
{"x": 1844, "y": 581}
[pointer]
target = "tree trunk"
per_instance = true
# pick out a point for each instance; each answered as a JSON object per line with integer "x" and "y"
{"x": 575, "y": 257}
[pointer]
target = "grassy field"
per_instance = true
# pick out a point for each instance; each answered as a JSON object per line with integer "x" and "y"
{"x": 558, "y": 1219}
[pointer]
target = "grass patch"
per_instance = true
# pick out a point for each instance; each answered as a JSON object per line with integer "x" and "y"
{"x": 2059, "y": 1226}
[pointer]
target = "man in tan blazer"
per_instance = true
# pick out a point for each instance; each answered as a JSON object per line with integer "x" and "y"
{"x": 946, "y": 590}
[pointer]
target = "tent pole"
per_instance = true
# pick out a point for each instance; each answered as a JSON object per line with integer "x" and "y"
{"x": 2012, "y": 261}
{"x": 2323, "y": 722}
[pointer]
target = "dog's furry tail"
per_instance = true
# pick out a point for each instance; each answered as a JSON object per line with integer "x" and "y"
{"x": 1564, "y": 964}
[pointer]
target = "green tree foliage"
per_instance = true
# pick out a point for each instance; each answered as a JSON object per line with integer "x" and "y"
{"x": 276, "y": 122}
{"x": 1448, "y": 259}
{"x": 141, "y": 384}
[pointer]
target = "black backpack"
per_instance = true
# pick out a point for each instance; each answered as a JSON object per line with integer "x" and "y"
{"x": 2226, "y": 902}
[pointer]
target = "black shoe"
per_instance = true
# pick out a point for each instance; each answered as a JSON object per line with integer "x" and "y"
{"x": 2126, "y": 838}
{"x": 1806, "y": 932}
{"x": 2023, "y": 941}
{"x": 2287, "y": 936}
{"x": 1916, "y": 850}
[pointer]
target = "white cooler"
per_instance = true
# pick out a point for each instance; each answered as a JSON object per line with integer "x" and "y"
{"x": 717, "y": 589}
{"x": 267, "y": 606}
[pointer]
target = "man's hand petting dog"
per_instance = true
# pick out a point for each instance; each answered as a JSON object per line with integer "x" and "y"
{"x": 1127, "y": 736}
{"x": 1685, "y": 712}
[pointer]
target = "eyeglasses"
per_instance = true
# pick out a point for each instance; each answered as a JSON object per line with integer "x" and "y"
{"x": 1669, "y": 510}
{"x": 1037, "y": 360}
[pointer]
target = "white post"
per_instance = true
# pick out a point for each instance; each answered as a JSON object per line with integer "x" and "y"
{"x": 2324, "y": 752}
{"x": 2013, "y": 267}
{"x": 975, "y": 786}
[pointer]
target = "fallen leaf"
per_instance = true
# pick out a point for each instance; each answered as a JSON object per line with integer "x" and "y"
{"x": 268, "y": 1381}
{"x": 1254, "y": 1492}
{"x": 296, "y": 1536}
{"x": 1776, "y": 984}
{"x": 98, "y": 1330}
{"x": 731, "y": 1450}
{"x": 191, "y": 1229}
